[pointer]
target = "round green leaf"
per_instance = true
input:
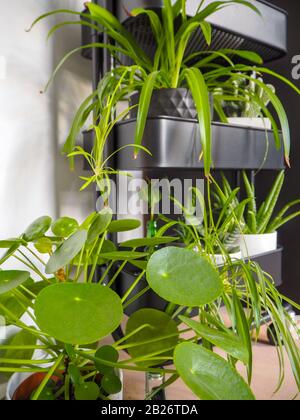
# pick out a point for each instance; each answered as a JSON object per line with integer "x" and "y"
{"x": 208, "y": 375}
{"x": 74, "y": 373}
{"x": 123, "y": 225}
{"x": 99, "y": 225}
{"x": 44, "y": 245}
{"x": 64, "y": 227}
{"x": 46, "y": 394}
{"x": 78, "y": 313}
{"x": 11, "y": 279}
{"x": 37, "y": 229}
{"x": 68, "y": 250}
{"x": 183, "y": 277}
{"x": 111, "y": 384}
{"x": 88, "y": 391}
{"x": 109, "y": 354}
{"x": 148, "y": 242}
{"x": 158, "y": 324}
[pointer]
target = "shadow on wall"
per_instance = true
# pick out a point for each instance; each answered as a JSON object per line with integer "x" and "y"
{"x": 71, "y": 86}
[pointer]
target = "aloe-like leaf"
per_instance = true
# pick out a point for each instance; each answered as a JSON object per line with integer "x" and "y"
{"x": 271, "y": 202}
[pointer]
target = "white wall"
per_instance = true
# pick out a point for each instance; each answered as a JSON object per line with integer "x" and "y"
{"x": 34, "y": 177}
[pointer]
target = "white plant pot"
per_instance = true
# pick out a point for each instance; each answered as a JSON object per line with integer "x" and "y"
{"x": 17, "y": 378}
{"x": 252, "y": 245}
{"x": 262, "y": 123}
{"x": 220, "y": 259}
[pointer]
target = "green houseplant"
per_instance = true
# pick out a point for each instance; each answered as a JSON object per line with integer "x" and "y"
{"x": 242, "y": 111}
{"x": 70, "y": 313}
{"x": 184, "y": 278}
{"x": 258, "y": 224}
{"x": 171, "y": 69}
{"x": 61, "y": 299}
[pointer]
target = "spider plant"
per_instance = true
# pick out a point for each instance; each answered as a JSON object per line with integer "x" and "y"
{"x": 102, "y": 104}
{"x": 169, "y": 68}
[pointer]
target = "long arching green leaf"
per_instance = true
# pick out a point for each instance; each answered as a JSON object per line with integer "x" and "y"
{"x": 200, "y": 95}
{"x": 144, "y": 103}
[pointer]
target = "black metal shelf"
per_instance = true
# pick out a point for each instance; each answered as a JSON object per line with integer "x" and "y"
{"x": 175, "y": 143}
{"x": 234, "y": 27}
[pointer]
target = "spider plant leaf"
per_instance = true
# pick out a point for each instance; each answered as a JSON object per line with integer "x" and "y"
{"x": 154, "y": 21}
{"x": 55, "y": 12}
{"x": 78, "y": 122}
{"x": 200, "y": 95}
{"x": 207, "y": 31}
{"x": 281, "y": 115}
{"x": 227, "y": 341}
{"x": 211, "y": 9}
{"x": 243, "y": 330}
{"x": 78, "y": 49}
{"x": 168, "y": 26}
{"x": 144, "y": 104}
{"x": 68, "y": 23}
{"x": 247, "y": 55}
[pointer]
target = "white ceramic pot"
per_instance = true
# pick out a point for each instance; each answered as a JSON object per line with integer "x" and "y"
{"x": 262, "y": 123}
{"x": 17, "y": 378}
{"x": 252, "y": 245}
{"x": 220, "y": 259}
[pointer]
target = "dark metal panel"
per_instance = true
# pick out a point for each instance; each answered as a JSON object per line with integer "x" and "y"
{"x": 175, "y": 143}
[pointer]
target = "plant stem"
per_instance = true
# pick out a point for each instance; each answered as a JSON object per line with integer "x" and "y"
{"x": 124, "y": 365}
{"x": 96, "y": 260}
{"x": 117, "y": 273}
{"x": 47, "y": 377}
{"x": 137, "y": 296}
{"x": 106, "y": 272}
{"x": 132, "y": 287}
{"x": 36, "y": 256}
